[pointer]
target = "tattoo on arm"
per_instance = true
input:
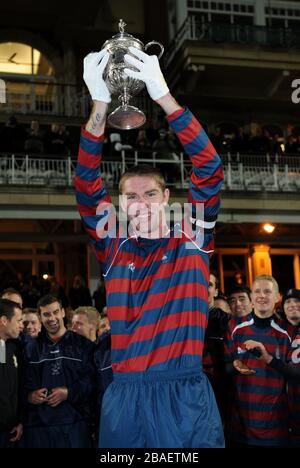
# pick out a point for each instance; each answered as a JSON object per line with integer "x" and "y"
{"x": 96, "y": 123}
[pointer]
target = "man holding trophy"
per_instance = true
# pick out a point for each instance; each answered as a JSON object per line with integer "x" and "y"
{"x": 156, "y": 277}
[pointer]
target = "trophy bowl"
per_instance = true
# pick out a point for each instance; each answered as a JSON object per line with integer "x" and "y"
{"x": 126, "y": 116}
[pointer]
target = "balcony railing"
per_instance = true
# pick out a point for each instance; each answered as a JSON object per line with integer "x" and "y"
{"x": 59, "y": 100}
{"x": 195, "y": 30}
{"x": 242, "y": 172}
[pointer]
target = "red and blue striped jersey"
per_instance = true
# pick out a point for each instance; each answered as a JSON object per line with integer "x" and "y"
{"x": 258, "y": 403}
{"x": 294, "y": 395}
{"x": 156, "y": 288}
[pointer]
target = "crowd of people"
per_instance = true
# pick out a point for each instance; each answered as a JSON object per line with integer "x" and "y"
{"x": 175, "y": 370}
{"x": 36, "y": 139}
{"x": 57, "y": 140}
{"x": 251, "y": 357}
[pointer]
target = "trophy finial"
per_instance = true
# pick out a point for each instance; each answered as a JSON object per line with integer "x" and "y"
{"x": 122, "y": 25}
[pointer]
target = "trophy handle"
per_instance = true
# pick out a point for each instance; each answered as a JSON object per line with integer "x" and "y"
{"x": 156, "y": 43}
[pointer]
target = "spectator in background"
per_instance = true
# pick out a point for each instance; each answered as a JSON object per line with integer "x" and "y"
{"x": 79, "y": 295}
{"x": 56, "y": 140}
{"x": 32, "y": 322}
{"x": 104, "y": 325}
{"x": 103, "y": 357}
{"x": 290, "y": 146}
{"x": 142, "y": 143}
{"x": 31, "y": 292}
{"x": 291, "y": 312}
{"x": 220, "y": 302}
{"x": 99, "y": 296}
{"x": 213, "y": 362}
{"x": 85, "y": 322}
{"x": 13, "y": 295}
{"x": 34, "y": 143}
{"x": 167, "y": 147}
{"x": 59, "y": 383}
{"x": 57, "y": 290}
{"x": 12, "y": 136}
{"x": 240, "y": 302}
{"x": 11, "y": 427}
{"x": 258, "y": 404}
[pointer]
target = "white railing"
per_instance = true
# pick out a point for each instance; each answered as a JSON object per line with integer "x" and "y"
{"x": 242, "y": 172}
{"x": 62, "y": 100}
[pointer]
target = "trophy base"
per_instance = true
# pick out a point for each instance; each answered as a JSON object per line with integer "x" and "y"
{"x": 126, "y": 117}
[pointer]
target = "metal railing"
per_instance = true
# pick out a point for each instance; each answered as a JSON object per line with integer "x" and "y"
{"x": 277, "y": 173}
{"x": 196, "y": 30}
{"x": 45, "y": 98}
{"x": 61, "y": 100}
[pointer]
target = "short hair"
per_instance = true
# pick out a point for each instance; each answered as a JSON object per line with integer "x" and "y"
{"x": 143, "y": 170}
{"x": 31, "y": 310}
{"x": 216, "y": 279}
{"x": 267, "y": 278}
{"x": 291, "y": 294}
{"x": 240, "y": 288}
{"x": 47, "y": 300}
{"x": 10, "y": 291}
{"x": 90, "y": 312}
{"x": 7, "y": 308}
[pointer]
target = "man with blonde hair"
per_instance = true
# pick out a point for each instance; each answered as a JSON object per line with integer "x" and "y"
{"x": 258, "y": 415}
{"x": 85, "y": 322}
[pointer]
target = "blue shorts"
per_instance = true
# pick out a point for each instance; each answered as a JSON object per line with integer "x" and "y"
{"x": 166, "y": 409}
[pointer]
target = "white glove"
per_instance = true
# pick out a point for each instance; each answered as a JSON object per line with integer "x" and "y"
{"x": 149, "y": 72}
{"x": 93, "y": 68}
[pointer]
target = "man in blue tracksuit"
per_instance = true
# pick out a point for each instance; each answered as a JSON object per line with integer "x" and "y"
{"x": 59, "y": 383}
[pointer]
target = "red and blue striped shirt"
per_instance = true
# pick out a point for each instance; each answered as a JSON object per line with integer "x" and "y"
{"x": 156, "y": 288}
{"x": 258, "y": 413}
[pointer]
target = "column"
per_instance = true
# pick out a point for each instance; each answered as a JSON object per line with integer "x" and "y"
{"x": 259, "y": 13}
{"x": 181, "y": 13}
{"x": 297, "y": 271}
{"x": 261, "y": 260}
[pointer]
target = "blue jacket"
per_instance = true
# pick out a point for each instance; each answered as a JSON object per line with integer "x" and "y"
{"x": 66, "y": 363}
{"x": 103, "y": 364}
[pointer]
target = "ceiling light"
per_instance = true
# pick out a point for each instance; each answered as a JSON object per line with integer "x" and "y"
{"x": 269, "y": 228}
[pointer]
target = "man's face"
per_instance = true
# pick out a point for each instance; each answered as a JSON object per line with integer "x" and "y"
{"x": 240, "y": 304}
{"x": 264, "y": 297}
{"x": 292, "y": 310}
{"x": 32, "y": 324}
{"x": 104, "y": 326}
{"x": 52, "y": 317}
{"x": 14, "y": 326}
{"x": 143, "y": 200}
{"x": 212, "y": 290}
{"x": 81, "y": 325}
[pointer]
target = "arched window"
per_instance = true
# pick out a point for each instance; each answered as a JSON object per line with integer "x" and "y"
{"x": 22, "y": 59}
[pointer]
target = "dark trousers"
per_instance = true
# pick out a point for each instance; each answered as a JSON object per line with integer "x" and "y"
{"x": 4, "y": 440}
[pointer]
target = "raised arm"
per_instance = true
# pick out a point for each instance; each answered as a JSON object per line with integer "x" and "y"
{"x": 93, "y": 200}
{"x": 207, "y": 175}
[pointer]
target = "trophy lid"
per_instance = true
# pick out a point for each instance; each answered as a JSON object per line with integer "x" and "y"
{"x": 123, "y": 36}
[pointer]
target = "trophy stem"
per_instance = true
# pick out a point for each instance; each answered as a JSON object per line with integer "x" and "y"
{"x": 126, "y": 117}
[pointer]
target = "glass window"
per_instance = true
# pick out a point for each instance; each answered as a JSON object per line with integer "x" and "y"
{"x": 23, "y": 59}
{"x": 283, "y": 271}
{"x": 234, "y": 268}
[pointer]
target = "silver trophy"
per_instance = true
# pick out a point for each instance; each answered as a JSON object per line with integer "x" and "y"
{"x": 125, "y": 116}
